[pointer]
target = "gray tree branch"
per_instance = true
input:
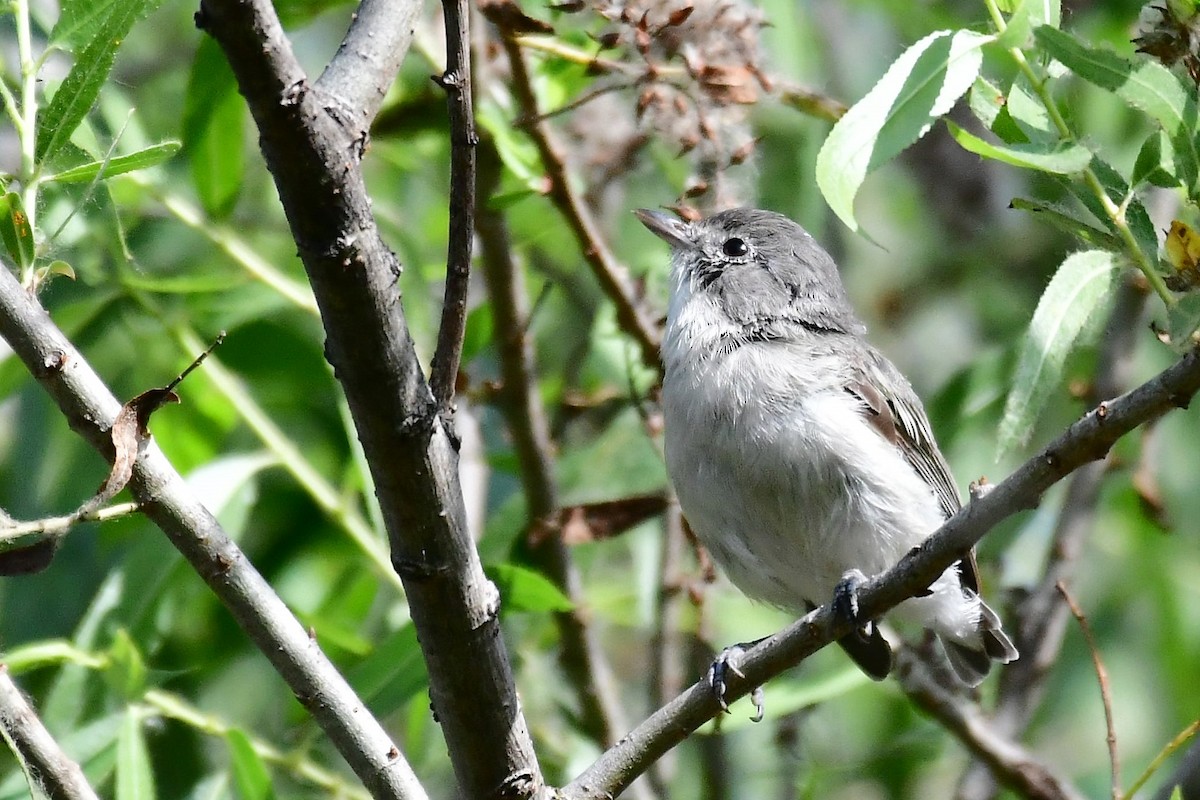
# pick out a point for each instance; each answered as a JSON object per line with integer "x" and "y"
{"x": 90, "y": 410}
{"x": 1085, "y": 441}
{"x": 314, "y": 155}
{"x": 59, "y": 776}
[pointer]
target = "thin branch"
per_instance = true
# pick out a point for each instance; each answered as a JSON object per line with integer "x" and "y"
{"x": 612, "y": 276}
{"x": 314, "y": 158}
{"x": 1086, "y": 440}
{"x": 1013, "y": 765}
{"x": 1188, "y": 773}
{"x": 369, "y": 57}
{"x": 581, "y": 658}
{"x": 164, "y": 497}
{"x": 15, "y": 534}
{"x": 1105, "y": 689}
{"x": 59, "y": 776}
{"x": 456, "y": 81}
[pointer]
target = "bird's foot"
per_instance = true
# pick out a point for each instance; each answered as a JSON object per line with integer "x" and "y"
{"x": 726, "y": 662}
{"x": 845, "y": 595}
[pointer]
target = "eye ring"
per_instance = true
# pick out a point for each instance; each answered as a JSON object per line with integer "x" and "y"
{"x": 735, "y": 247}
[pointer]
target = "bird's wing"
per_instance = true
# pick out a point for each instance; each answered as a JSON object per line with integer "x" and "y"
{"x": 895, "y": 411}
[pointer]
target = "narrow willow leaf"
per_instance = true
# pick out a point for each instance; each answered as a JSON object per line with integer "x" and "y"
{"x": 522, "y": 589}
{"x": 135, "y": 779}
{"x": 986, "y": 101}
{"x": 16, "y": 230}
{"x": 393, "y": 674}
{"x": 1029, "y": 114}
{"x": 921, "y": 85}
{"x": 1145, "y": 85}
{"x": 79, "y": 20}
{"x": 142, "y": 159}
{"x": 1082, "y": 287}
{"x": 1045, "y": 12}
{"x": 250, "y": 774}
{"x": 1156, "y": 162}
{"x": 80, "y": 88}
{"x": 1063, "y": 220}
{"x": 1063, "y": 158}
{"x": 214, "y": 118}
{"x": 1020, "y": 24}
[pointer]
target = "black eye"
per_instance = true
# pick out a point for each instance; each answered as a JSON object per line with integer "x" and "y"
{"x": 735, "y": 248}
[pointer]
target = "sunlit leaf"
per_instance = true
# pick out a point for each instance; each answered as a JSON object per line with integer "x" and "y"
{"x": 921, "y": 85}
{"x": 142, "y": 159}
{"x": 1081, "y": 288}
{"x": 1064, "y": 158}
{"x": 75, "y": 96}
{"x": 522, "y": 589}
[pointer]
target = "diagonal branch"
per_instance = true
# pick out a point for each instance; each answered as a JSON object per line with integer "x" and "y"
{"x": 165, "y": 498}
{"x": 59, "y": 777}
{"x": 1086, "y": 440}
{"x": 314, "y": 157}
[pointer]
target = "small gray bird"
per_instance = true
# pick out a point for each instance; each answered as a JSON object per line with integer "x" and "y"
{"x": 802, "y": 458}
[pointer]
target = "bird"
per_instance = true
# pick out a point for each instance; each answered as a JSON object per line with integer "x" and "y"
{"x": 802, "y": 458}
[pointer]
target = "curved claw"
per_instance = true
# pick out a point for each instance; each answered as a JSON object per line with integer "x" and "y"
{"x": 845, "y": 595}
{"x": 726, "y": 662}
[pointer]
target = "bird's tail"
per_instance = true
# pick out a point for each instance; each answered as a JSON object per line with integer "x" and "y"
{"x": 972, "y": 661}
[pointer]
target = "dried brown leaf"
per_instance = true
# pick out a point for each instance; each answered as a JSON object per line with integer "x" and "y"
{"x": 510, "y": 19}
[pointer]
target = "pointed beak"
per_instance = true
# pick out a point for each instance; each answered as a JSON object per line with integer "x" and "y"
{"x": 674, "y": 232}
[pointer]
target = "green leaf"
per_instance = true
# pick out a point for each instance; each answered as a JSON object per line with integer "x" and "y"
{"x": 1029, "y": 114}
{"x": 250, "y": 774}
{"x": 1156, "y": 162}
{"x": 923, "y": 83}
{"x": 986, "y": 101}
{"x": 142, "y": 159}
{"x": 1145, "y": 85}
{"x": 1019, "y": 26}
{"x": 1082, "y": 286}
{"x": 480, "y": 332}
{"x": 78, "y": 91}
{"x": 1063, "y": 158}
{"x": 16, "y": 230}
{"x": 1063, "y": 220}
{"x": 127, "y": 670}
{"x": 214, "y": 117}
{"x": 135, "y": 778}
{"x": 1183, "y": 319}
{"x": 522, "y": 589}
{"x": 79, "y": 20}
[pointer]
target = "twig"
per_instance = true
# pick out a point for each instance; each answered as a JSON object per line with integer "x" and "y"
{"x": 456, "y": 81}
{"x": 1012, "y": 764}
{"x": 165, "y": 498}
{"x": 1105, "y": 690}
{"x": 59, "y": 777}
{"x": 1086, "y": 440}
{"x": 1179, "y": 741}
{"x": 612, "y": 276}
{"x": 11, "y": 531}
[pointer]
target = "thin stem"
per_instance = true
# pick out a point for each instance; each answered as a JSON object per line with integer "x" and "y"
{"x": 456, "y": 81}
{"x": 1179, "y": 741}
{"x": 27, "y": 128}
{"x": 1116, "y": 214}
{"x": 1105, "y": 690}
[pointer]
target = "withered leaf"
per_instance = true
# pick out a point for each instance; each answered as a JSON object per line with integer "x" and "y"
{"x": 510, "y": 19}
{"x": 592, "y": 522}
{"x": 679, "y": 16}
{"x": 129, "y": 433}
{"x": 728, "y": 84}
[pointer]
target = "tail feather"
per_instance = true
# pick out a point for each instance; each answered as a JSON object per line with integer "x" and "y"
{"x": 971, "y": 662}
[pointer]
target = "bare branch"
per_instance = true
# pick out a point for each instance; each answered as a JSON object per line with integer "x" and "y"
{"x": 613, "y": 277}
{"x": 315, "y": 161}
{"x": 1105, "y": 690}
{"x": 456, "y": 81}
{"x": 165, "y": 498}
{"x": 1086, "y": 440}
{"x": 1013, "y": 765}
{"x": 59, "y": 776}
